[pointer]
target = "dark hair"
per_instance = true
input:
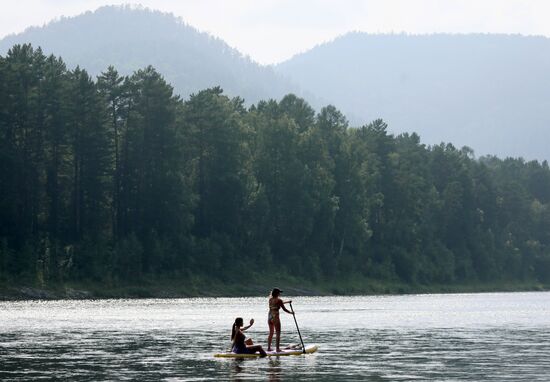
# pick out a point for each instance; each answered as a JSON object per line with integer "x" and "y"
{"x": 238, "y": 322}
{"x": 275, "y": 292}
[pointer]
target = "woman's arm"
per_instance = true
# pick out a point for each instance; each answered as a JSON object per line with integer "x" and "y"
{"x": 248, "y": 327}
{"x": 282, "y": 305}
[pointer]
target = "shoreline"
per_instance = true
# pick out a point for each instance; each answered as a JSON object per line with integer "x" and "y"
{"x": 160, "y": 290}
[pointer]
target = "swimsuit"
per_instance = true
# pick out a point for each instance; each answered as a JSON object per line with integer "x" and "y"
{"x": 273, "y": 312}
{"x": 239, "y": 347}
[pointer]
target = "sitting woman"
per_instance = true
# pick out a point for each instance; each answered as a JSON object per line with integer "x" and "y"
{"x": 241, "y": 345}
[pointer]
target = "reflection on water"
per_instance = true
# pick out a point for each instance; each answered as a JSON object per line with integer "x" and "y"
{"x": 468, "y": 337}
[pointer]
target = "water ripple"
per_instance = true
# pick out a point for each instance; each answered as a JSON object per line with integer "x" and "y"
{"x": 490, "y": 337}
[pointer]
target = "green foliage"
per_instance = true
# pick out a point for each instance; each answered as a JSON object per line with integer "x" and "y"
{"x": 118, "y": 181}
{"x": 128, "y": 264}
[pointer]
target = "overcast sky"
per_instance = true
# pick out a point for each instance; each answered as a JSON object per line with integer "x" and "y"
{"x": 270, "y": 31}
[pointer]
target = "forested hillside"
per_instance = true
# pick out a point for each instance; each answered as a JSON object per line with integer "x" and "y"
{"x": 118, "y": 180}
{"x": 131, "y": 38}
{"x": 488, "y": 92}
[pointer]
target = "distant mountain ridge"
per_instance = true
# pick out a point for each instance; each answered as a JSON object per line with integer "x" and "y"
{"x": 131, "y": 38}
{"x": 490, "y": 92}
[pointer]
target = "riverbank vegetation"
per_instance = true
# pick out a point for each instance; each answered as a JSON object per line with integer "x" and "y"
{"x": 116, "y": 180}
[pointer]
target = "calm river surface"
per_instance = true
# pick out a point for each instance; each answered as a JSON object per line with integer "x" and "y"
{"x": 456, "y": 337}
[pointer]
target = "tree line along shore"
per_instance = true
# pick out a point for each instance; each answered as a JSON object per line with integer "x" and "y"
{"x": 116, "y": 181}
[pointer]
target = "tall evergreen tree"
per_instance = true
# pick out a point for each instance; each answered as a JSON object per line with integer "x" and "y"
{"x": 110, "y": 85}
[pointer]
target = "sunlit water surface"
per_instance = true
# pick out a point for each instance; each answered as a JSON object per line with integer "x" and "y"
{"x": 458, "y": 337}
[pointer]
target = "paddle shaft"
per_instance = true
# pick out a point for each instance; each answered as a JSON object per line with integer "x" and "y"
{"x": 297, "y": 328}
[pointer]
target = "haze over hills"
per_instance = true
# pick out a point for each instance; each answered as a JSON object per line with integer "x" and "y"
{"x": 490, "y": 92}
{"x": 131, "y": 38}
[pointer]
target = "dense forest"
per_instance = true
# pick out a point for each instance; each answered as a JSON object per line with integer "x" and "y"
{"x": 116, "y": 180}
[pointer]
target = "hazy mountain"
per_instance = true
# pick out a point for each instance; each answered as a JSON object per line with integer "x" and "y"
{"x": 131, "y": 38}
{"x": 490, "y": 92}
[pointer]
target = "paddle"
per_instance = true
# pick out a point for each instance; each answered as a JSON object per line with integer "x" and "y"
{"x": 297, "y": 328}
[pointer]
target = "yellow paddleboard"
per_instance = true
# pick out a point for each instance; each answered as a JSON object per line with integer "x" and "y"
{"x": 309, "y": 349}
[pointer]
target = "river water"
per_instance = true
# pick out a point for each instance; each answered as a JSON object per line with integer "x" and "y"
{"x": 451, "y": 337}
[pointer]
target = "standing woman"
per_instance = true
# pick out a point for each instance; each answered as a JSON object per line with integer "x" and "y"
{"x": 273, "y": 320}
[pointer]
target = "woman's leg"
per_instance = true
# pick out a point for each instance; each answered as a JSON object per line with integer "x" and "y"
{"x": 277, "y": 325}
{"x": 249, "y": 341}
{"x": 257, "y": 348}
{"x": 270, "y": 337}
